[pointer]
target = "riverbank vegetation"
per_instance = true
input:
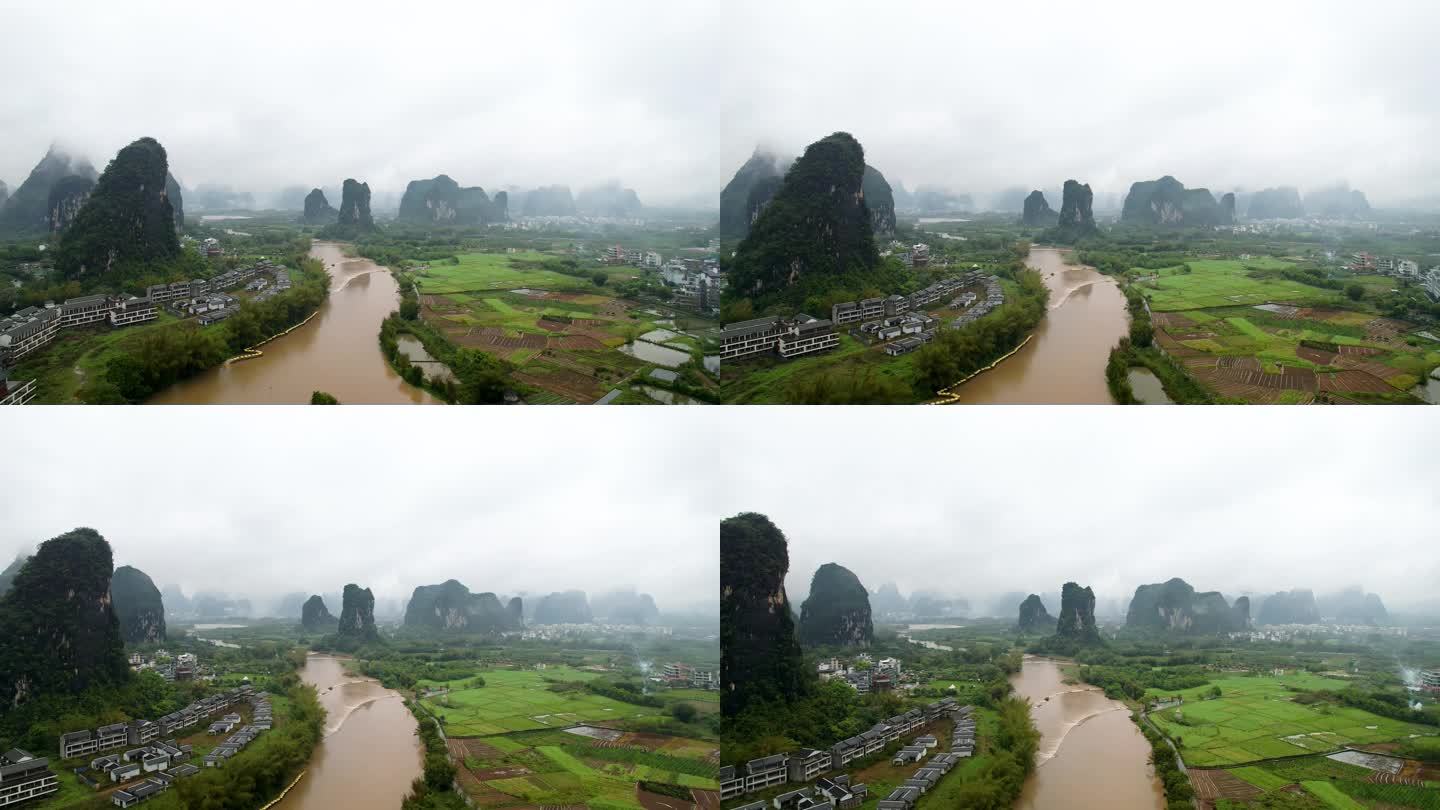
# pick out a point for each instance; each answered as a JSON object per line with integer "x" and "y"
{"x": 1178, "y": 792}
{"x": 467, "y": 376}
{"x": 435, "y": 789}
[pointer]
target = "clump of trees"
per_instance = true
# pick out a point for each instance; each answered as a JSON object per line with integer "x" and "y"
{"x": 1178, "y": 791}
{"x": 435, "y": 790}
{"x": 480, "y": 378}
{"x": 1129, "y": 681}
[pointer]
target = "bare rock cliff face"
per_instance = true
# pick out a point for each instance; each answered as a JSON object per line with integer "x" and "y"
{"x": 451, "y": 607}
{"x": 355, "y": 205}
{"x": 1077, "y": 613}
{"x": 1077, "y": 208}
{"x": 357, "y": 614}
{"x": 67, "y": 197}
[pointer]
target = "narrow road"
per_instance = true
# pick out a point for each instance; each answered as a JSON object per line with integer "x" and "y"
{"x": 1144, "y": 715}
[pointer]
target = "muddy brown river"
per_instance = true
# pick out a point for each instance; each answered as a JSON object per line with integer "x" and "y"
{"x": 1091, "y": 756}
{"x": 338, "y": 351}
{"x": 370, "y": 753}
{"x": 1064, "y": 362}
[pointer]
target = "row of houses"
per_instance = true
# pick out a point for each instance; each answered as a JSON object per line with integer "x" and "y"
{"x": 871, "y": 309}
{"x": 806, "y": 765}
{"x": 158, "y": 756}
{"x": 24, "y": 776}
{"x": 153, "y": 786}
{"x": 827, "y": 794}
{"x": 976, "y": 309}
{"x": 206, "y": 299}
{"x": 261, "y": 720}
{"x": 787, "y": 337}
{"x": 142, "y": 732}
{"x": 12, "y": 392}
{"x": 35, "y": 327}
{"x": 165, "y": 762}
{"x": 929, "y": 774}
{"x": 32, "y": 328}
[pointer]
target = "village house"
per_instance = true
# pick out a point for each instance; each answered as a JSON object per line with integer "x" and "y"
{"x": 1431, "y": 281}
{"x": 806, "y": 335}
{"x": 765, "y": 772}
{"x": 135, "y": 794}
{"x": 841, "y": 793}
{"x": 23, "y": 777}
{"x": 807, "y": 764}
{"x": 732, "y": 784}
{"x": 919, "y": 255}
{"x": 909, "y": 754}
{"x": 901, "y": 798}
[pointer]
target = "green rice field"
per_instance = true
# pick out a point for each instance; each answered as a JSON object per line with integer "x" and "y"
{"x": 1256, "y": 719}
{"x": 1226, "y": 282}
{"x": 495, "y": 271}
{"x": 1331, "y": 795}
{"x": 520, "y": 701}
{"x": 509, "y": 740}
{"x": 566, "y": 336}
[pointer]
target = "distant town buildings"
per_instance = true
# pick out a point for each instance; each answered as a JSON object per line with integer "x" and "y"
{"x": 557, "y": 632}
{"x": 1431, "y": 281}
{"x": 920, "y": 255}
{"x": 878, "y": 676}
{"x": 695, "y": 283}
{"x": 681, "y": 676}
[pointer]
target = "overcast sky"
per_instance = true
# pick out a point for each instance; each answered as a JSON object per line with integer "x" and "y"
{"x": 275, "y": 93}
{"x": 976, "y": 502}
{"x": 670, "y": 98}
{"x": 263, "y": 501}
{"x": 984, "y": 96}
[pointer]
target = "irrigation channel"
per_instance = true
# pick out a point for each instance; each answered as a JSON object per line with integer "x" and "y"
{"x": 1091, "y": 757}
{"x": 337, "y": 351}
{"x": 370, "y": 753}
{"x": 1063, "y": 362}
